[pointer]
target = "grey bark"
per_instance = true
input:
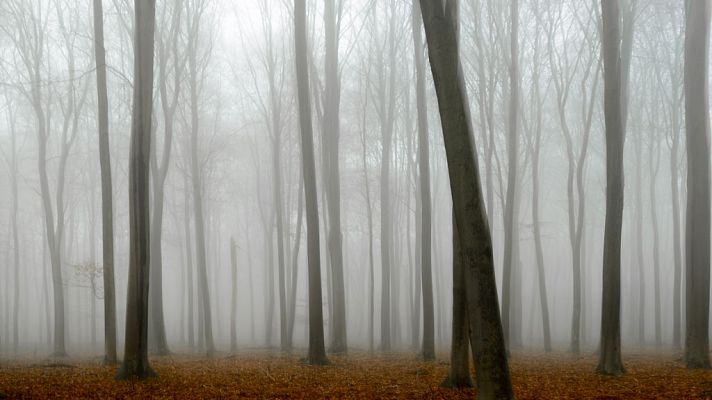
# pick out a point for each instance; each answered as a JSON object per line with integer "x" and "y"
{"x": 317, "y": 351}
{"x": 493, "y": 379}
{"x": 196, "y": 172}
{"x": 428, "y": 346}
{"x": 331, "y": 132}
{"x": 233, "y": 298}
{"x": 107, "y": 213}
{"x": 697, "y": 231}
{"x": 610, "y": 362}
{"x": 510, "y": 224}
{"x": 135, "y": 362}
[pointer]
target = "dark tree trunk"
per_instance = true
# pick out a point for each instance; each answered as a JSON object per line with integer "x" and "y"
{"x": 317, "y": 351}
{"x": 610, "y": 362}
{"x": 490, "y": 358}
{"x": 697, "y": 237}
{"x": 107, "y": 214}
{"x": 135, "y": 362}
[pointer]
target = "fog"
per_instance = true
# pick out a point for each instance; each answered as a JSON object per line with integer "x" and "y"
{"x": 226, "y": 174}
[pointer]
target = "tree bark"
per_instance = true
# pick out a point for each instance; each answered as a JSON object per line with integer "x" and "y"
{"x": 493, "y": 379}
{"x": 331, "y": 132}
{"x": 510, "y": 224}
{"x": 428, "y": 347}
{"x": 610, "y": 362}
{"x": 107, "y": 214}
{"x": 196, "y": 175}
{"x": 317, "y": 351}
{"x": 233, "y": 299}
{"x": 135, "y": 362}
{"x": 697, "y": 232}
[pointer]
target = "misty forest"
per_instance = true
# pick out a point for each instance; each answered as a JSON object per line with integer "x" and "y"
{"x": 355, "y": 199}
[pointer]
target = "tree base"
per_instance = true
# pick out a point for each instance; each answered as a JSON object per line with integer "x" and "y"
{"x": 106, "y": 361}
{"x": 59, "y": 354}
{"x": 697, "y": 363}
{"x": 138, "y": 371}
{"x": 316, "y": 360}
{"x": 458, "y": 382}
{"x": 610, "y": 370}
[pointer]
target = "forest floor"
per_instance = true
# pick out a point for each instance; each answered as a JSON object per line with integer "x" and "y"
{"x": 357, "y": 376}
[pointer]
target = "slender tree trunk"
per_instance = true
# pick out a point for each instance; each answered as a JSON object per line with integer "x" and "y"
{"x": 428, "y": 349}
{"x": 295, "y": 262}
{"x": 654, "y": 162}
{"x": 639, "y": 239}
{"x": 135, "y": 362}
{"x": 189, "y": 262}
{"x": 107, "y": 218}
{"x": 512, "y": 144}
{"x": 331, "y": 132}
{"x": 697, "y": 232}
{"x": 197, "y": 190}
{"x": 610, "y": 362}
{"x": 317, "y": 351}
{"x": 233, "y": 300}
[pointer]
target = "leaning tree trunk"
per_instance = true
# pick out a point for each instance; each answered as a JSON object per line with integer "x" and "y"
{"x": 697, "y": 237}
{"x": 317, "y": 351}
{"x": 610, "y": 351}
{"x": 490, "y": 358}
{"x": 136, "y": 346}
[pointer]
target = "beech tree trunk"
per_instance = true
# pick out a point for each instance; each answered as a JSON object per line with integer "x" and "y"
{"x": 317, "y": 351}
{"x": 490, "y": 358}
{"x": 610, "y": 362}
{"x": 697, "y": 237}
{"x": 107, "y": 214}
{"x": 428, "y": 349}
{"x": 135, "y": 362}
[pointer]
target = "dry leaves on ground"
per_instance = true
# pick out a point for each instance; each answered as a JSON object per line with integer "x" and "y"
{"x": 355, "y": 376}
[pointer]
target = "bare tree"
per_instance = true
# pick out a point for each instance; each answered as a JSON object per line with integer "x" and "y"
{"x": 107, "y": 213}
{"x": 493, "y": 379}
{"x": 135, "y": 362}
{"x": 610, "y": 362}
{"x": 330, "y": 148}
{"x": 428, "y": 348}
{"x": 317, "y": 351}
{"x": 197, "y": 62}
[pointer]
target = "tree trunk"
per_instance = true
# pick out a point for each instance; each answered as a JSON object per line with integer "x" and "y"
{"x": 317, "y": 351}
{"x": 188, "y": 261}
{"x": 510, "y": 224}
{"x": 493, "y": 379}
{"x": 697, "y": 237}
{"x": 654, "y": 162}
{"x": 610, "y": 351}
{"x": 107, "y": 216}
{"x": 233, "y": 300}
{"x": 428, "y": 349}
{"x": 459, "y": 374}
{"x": 197, "y": 186}
{"x": 135, "y": 362}
{"x": 331, "y": 132}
